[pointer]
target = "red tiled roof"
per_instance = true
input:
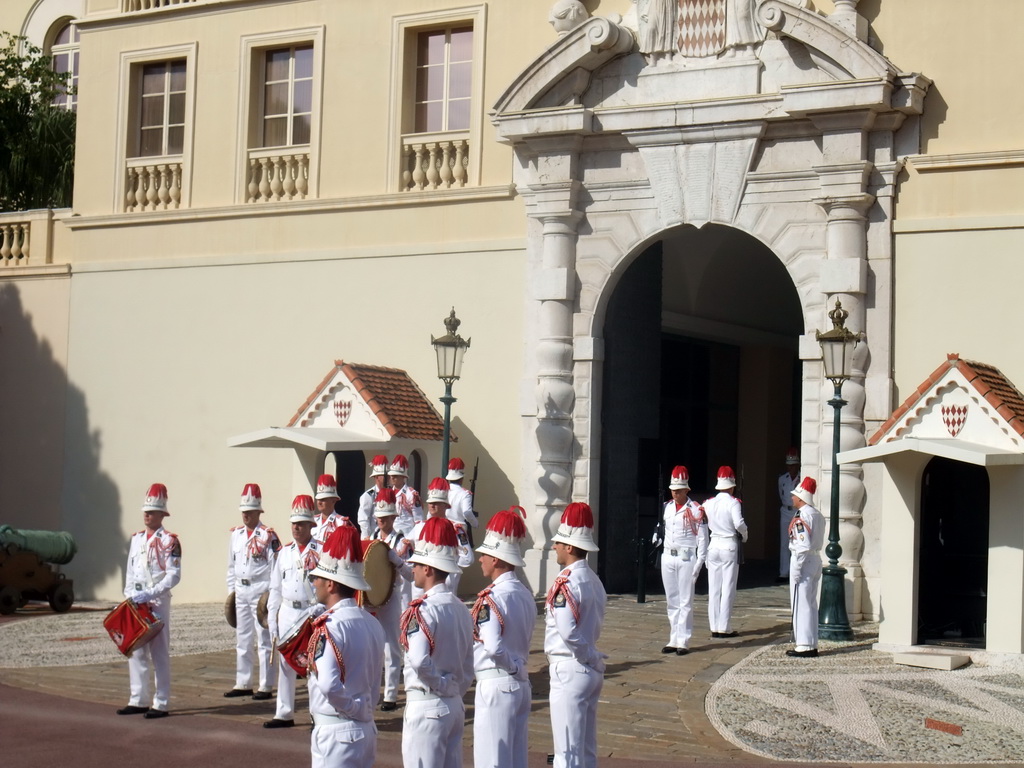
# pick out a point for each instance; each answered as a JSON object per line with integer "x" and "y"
{"x": 987, "y": 380}
{"x": 400, "y": 405}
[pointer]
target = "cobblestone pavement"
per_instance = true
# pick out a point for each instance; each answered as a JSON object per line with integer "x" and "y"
{"x": 729, "y": 701}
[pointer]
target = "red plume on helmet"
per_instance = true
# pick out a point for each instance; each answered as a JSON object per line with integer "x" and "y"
{"x": 344, "y": 544}
{"x": 440, "y": 532}
{"x": 386, "y": 495}
{"x": 508, "y": 523}
{"x": 578, "y": 515}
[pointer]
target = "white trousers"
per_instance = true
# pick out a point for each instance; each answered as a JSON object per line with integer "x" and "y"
{"x": 247, "y": 633}
{"x": 573, "y": 702}
{"x": 784, "y": 520}
{"x": 390, "y": 615}
{"x": 154, "y": 657}
{"x": 677, "y": 576}
{"x": 286, "y": 677}
{"x": 432, "y": 733}
{"x": 344, "y": 745}
{"x": 804, "y": 578}
{"x": 502, "y": 706}
{"x": 723, "y": 570}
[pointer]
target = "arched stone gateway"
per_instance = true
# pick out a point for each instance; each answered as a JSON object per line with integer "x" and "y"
{"x": 791, "y": 130}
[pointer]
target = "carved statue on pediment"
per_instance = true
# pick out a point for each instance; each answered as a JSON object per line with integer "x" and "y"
{"x": 566, "y": 15}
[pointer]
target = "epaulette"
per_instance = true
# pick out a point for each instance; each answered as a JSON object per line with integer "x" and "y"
{"x": 235, "y": 528}
{"x": 139, "y": 533}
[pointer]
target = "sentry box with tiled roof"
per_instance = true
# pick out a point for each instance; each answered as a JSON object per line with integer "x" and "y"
{"x": 356, "y": 407}
{"x": 952, "y": 517}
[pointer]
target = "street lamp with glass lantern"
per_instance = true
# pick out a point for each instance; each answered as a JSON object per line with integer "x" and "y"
{"x": 450, "y": 350}
{"x": 837, "y": 347}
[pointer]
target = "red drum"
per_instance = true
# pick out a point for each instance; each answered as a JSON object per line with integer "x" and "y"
{"x": 131, "y": 626}
{"x": 294, "y": 645}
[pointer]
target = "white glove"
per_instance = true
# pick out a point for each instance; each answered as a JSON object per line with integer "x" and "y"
{"x": 142, "y": 597}
{"x": 656, "y": 539}
{"x": 316, "y": 610}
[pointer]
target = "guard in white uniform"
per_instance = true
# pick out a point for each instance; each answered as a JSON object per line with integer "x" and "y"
{"x": 725, "y": 521}
{"x": 252, "y": 551}
{"x": 379, "y": 474}
{"x": 685, "y": 548}
{"x": 573, "y": 616}
{"x": 346, "y": 652}
{"x": 390, "y": 614}
{"x": 461, "y": 499}
{"x": 291, "y": 598}
{"x": 326, "y": 520}
{"x": 437, "y": 634}
{"x": 407, "y": 498}
{"x": 437, "y": 506}
{"x": 503, "y": 619}
{"x": 806, "y": 537}
{"x": 154, "y": 568}
{"x": 787, "y": 483}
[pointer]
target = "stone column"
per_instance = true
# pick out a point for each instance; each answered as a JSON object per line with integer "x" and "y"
{"x": 553, "y": 291}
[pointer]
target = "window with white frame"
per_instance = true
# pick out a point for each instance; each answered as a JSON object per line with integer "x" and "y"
{"x": 444, "y": 76}
{"x": 279, "y": 115}
{"x": 436, "y": 110}
{"x": 287, "y": 96}
{"x": 161, "y": 109}
{"x": 156, "y": 103}
{"x": 64, "y": 57}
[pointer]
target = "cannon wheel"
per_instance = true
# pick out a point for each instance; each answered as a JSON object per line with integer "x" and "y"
{"x": 10, "y": 600}
{"x": 62, "y": 597}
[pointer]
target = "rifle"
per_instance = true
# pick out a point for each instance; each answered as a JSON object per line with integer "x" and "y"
{"x": 472, "y": 495}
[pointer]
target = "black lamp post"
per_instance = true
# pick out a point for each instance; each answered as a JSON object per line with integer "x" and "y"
{"x": 837, "y": 348}
{"x": 450, "y": 350}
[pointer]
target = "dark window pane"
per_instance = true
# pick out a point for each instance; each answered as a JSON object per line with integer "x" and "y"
{"x": 303, "y": 96}
{"x": 458, "y": 115}
{"x": 60, "y": 63}
{"x": 459, "y": 80}
{"x": 152, "y": 111}
{"x": 275, "y": 132}
{"x": 175, "y": 140}
{"x": 178, "y": 75}
{"x": 176, "y": 111}
{"x": 64, "y": 36}
{"x": 430, "y": 48}
{"x": 277, "y": 65}
{"x": 151, "y": 142}
{"x": 300, "y": 129}
{"x": 428, "y": 117}
{"x": 462, "y": 45}
{"x": 153, "y": 78}
{"x": 304, "y": 61}
{"x": 276, "y": 99}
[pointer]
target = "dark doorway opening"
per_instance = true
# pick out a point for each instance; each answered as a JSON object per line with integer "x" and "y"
{"x": 953, "y": 565}
{"x": 351, "y": 472}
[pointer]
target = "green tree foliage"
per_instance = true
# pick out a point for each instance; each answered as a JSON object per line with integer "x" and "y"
{"x": 37, "y": 139}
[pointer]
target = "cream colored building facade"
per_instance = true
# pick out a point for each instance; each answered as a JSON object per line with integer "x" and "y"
{"x": 640, "y": 232}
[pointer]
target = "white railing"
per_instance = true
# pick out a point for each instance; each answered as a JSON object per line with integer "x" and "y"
{"x": 152, "y": 184}
{"x": 127, "y": 6}
{"x": 274, "y": 175}
{"x": 15, "y": 241}
{"x": 435, "y": 161}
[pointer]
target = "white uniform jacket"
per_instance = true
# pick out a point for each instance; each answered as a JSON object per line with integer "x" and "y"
{"x": 154, "y": 566}
{"x": 504, "y": 617}
{"x": 573, "y": 617}
{"x": 290, "y": 589}
{"x": 786, "y": 486}
{"x": 251, "y": 558}
{"x": 460, "y": 508}
{"x": 344, "y": 678}
{"x": 686, "y": 531}
{"x": 806, "y": 536}
{"x": 725, "y": 517}
{"x": 439, "y": 653}
{"x": 367, "y": 522}
{"x": 410, "y": 510}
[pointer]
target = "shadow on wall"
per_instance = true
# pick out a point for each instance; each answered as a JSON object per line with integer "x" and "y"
{"x": 49, "y": 458}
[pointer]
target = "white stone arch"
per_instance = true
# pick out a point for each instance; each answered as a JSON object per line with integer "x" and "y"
{"x": 45, "y": 17}
{"x": 613, "y": 149}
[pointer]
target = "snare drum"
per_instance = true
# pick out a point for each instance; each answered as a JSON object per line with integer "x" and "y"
{"x": 294, "y": 643}
{"x": 131, "y": 626}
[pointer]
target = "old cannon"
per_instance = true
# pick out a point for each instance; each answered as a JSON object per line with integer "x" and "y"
{"x": 26, "y": 568}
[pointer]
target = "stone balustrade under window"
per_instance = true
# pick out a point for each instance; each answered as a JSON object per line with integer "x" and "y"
{"x": 128, "y": 6}
{"x": 153, "y": 184}
{"x": 26, "y": 237}
{"x": 275, "y": 175}
{"x": 434, "y": 161}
